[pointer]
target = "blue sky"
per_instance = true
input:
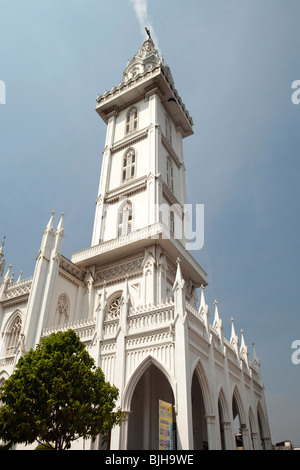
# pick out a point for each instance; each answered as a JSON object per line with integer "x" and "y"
{"x": 233, "y": 63}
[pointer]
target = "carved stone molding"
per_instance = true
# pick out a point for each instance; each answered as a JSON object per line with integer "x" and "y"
{"x": 119, "y": 269}
{"x": 70, "y": 268}
{"x": 63, "y": 305}
{"x": 130, "y": 141}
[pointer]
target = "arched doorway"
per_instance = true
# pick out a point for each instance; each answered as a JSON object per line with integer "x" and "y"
{"x": 143, "y": 423}
{"x": 198, "y": 414}
{"x": 221, "y": 426}
{"x": 262, "y": 427}
{"x": 253, "y": 434}
{"x": 238, "y": 420}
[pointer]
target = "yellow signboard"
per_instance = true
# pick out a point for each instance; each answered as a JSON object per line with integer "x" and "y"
{"x": 165, "y": 426}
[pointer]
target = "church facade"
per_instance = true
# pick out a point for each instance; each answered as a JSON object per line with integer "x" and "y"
{"x": 132, "y": 295}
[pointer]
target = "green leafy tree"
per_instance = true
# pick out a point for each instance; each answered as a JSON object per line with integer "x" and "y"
{"x": 57, "y": 395}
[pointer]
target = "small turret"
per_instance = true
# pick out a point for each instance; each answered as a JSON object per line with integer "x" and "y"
{"x": 146, "y": 58}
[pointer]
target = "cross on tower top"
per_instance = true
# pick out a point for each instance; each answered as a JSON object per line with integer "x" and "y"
{"x": 148, "y": 32}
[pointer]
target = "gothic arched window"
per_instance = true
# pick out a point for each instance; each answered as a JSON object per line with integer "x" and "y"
{"x": 170, "y": 180}
{"x": 114, "y": 308}
{"x": 125, "y": 219}
{"x": 128, "y": 168}
{"x": 168, "y": 129}
{"x": 12, "y": 335}
{"x": 131, "y": 120}
{"x": 172, "y": 223}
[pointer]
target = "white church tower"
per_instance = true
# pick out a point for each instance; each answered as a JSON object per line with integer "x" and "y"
{"x": 132, "y": 295}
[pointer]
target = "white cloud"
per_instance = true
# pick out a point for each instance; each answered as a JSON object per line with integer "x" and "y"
{"x": 141, "y": 10}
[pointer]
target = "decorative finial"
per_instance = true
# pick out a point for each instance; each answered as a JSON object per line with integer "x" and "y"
{"x": 148, "y": 32}
{"x": 2, "y": 260}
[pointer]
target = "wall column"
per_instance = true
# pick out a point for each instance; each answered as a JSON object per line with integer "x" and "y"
{"x": 184, "y": 424}
{"x": 213, "y": 442}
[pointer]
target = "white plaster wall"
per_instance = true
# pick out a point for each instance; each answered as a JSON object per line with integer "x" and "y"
{"x": 78, "y": 307}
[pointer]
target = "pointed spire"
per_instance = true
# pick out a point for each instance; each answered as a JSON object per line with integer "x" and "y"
{"x": 202, "y": 301}
{"x": 255, "y": 358}
{"x": 60, "y": 227}
{"x": 7, "y": 275}
{"x": 233, "y": 334}
{"x": 204, "y": 310}
{"x": 217, "y": 320}
{"x": 179, "y": 293}
{"x": 179, "y": 281}
{"x": 5, "y": 281}
{"x": 49, "y": 226}
{"x": 138, "y": 65}
{"x": 255, "y": 361}
{"x": 244, "y": 349}
{"x": 59, "y": 235}
{"x": 234, "y": 341}
{"x": 47, "y": 237}
{"x": 218, "y": 324}
{"x": 243, "y": 344}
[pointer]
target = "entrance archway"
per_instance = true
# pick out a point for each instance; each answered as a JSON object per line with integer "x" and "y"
{"x": 198, "y": 414}
{"x": 238, "y": 420}
{"x": 143, "y": 423}
{"x": 262, "y": 427}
